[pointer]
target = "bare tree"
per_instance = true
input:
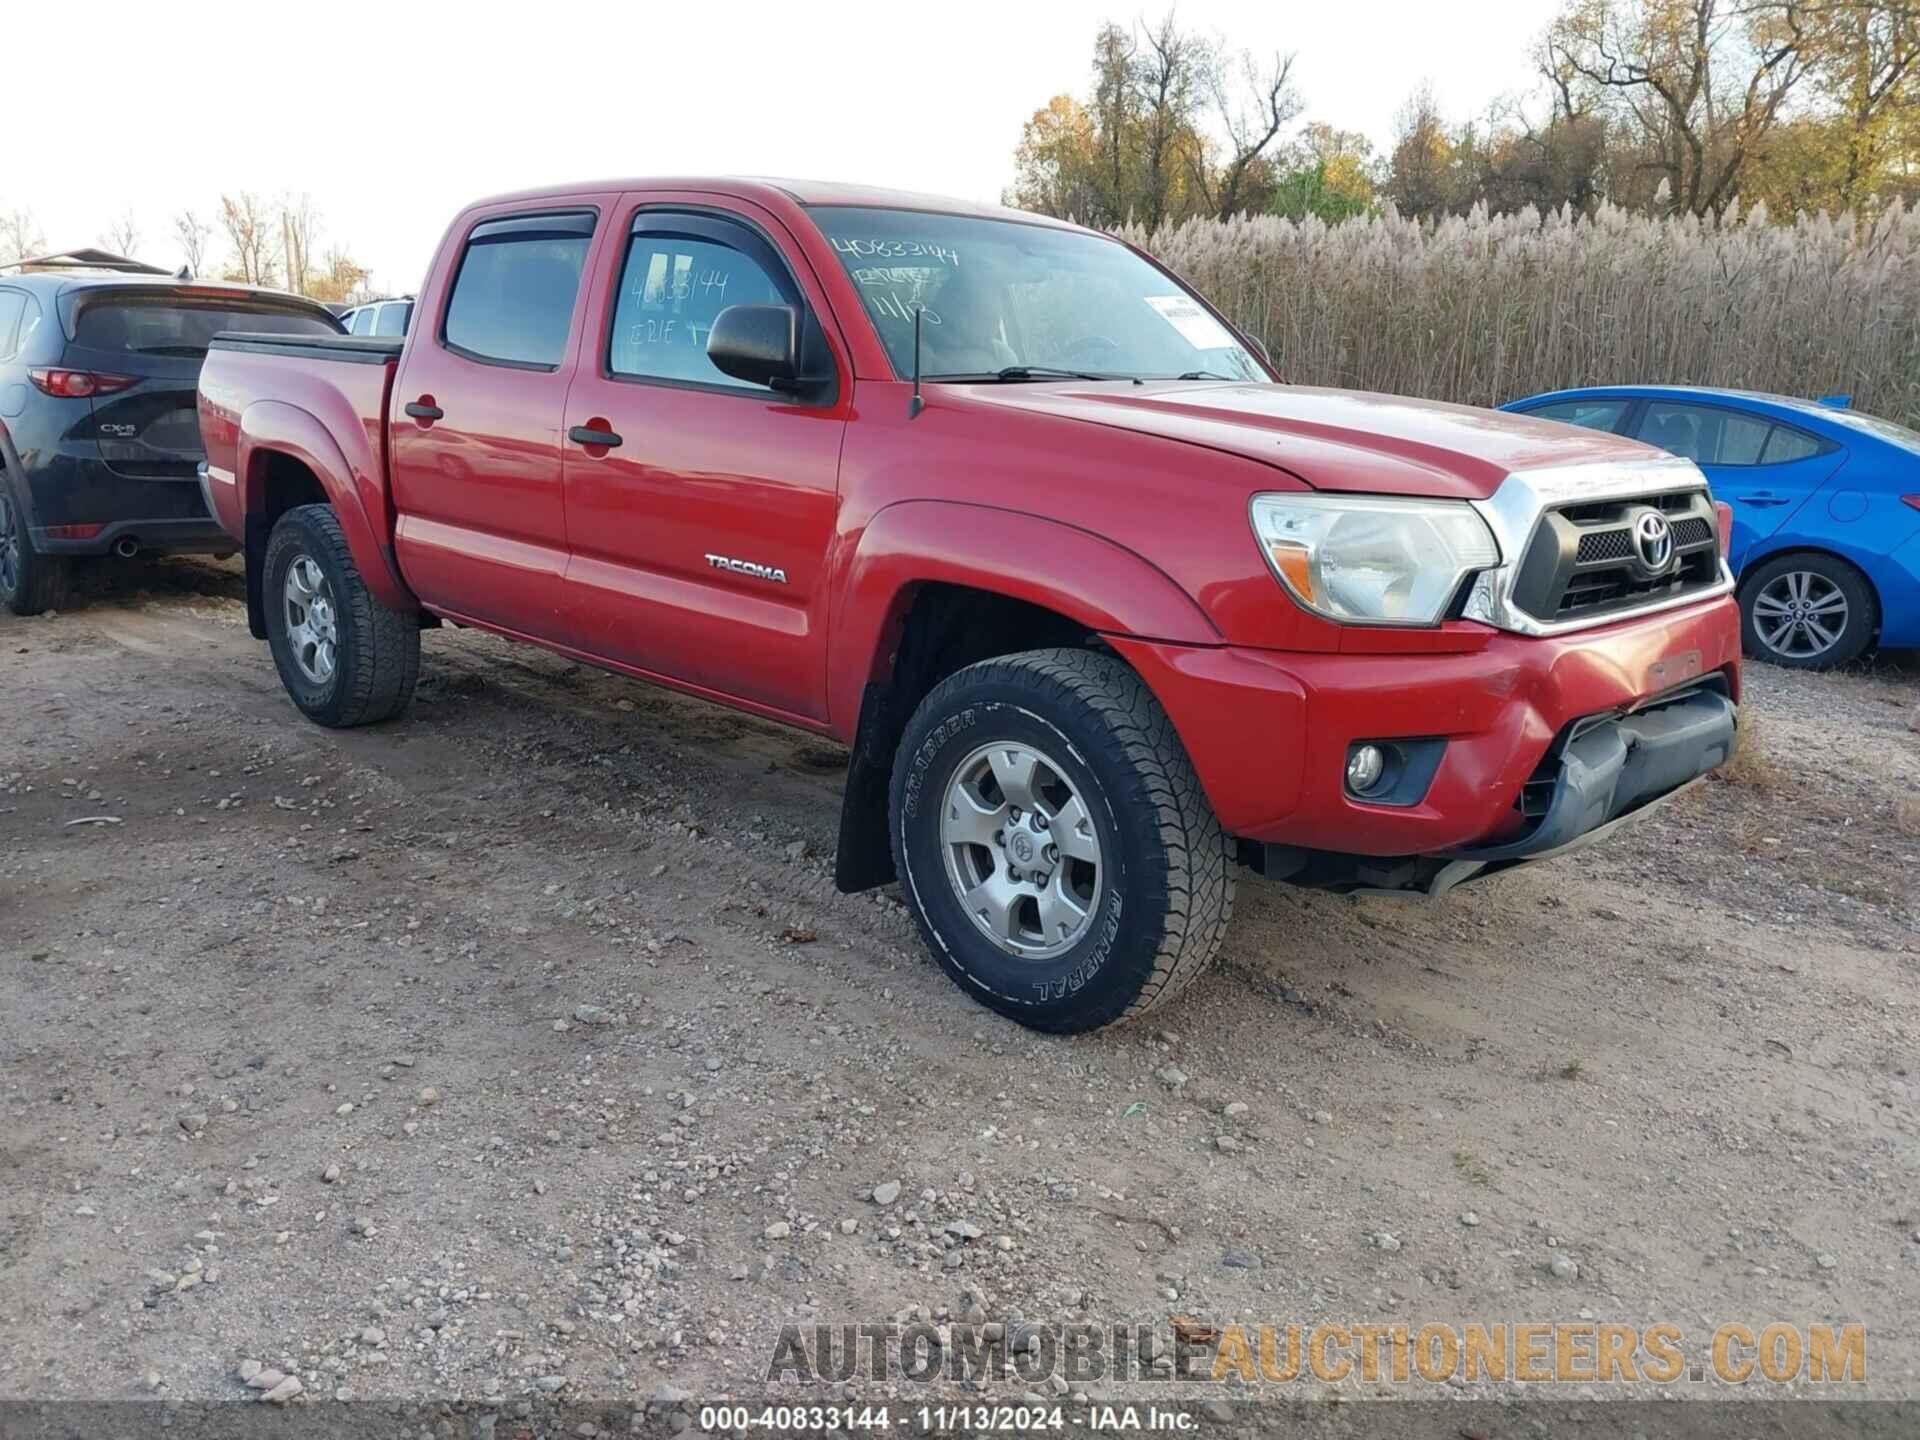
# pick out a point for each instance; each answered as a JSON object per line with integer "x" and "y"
{"x": 250, "y": 232}
{"x": 20, "y": 237}
{"x": 1171, "y": 71}
{"x": 123, "y": 235}
{"x": 1703, "y": 82}
{"x": 1252, "y": 113}
{"x": 192, "y": 233}
{"x": 299, "y": 227}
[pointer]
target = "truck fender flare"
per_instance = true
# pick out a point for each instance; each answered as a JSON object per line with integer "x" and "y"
{"x": 1090, "y": 580}
{"x": 270, "y": 427}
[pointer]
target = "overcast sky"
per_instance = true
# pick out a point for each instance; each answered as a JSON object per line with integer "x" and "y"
{"x": 392, "y": 115}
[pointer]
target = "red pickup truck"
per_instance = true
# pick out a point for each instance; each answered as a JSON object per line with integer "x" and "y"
{"x": 1104, "y": 611}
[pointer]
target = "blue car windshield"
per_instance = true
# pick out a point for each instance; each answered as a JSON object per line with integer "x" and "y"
{"x": 999, "y": 296}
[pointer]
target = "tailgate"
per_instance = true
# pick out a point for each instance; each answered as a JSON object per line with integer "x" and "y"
{"x": 146, "y": 344}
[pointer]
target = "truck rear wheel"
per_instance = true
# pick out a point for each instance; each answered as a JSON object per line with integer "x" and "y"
{"x": 345, "y": 658}
{"x": 1054, "y": 842}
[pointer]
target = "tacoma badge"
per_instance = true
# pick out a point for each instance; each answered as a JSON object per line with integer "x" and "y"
{"x": 747, "y": 567}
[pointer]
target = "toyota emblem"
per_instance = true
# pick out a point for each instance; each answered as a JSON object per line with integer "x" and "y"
{"x": 1653, "y": 540}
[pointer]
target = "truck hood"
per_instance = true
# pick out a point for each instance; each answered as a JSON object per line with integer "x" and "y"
{"x": 1332, "y": 439}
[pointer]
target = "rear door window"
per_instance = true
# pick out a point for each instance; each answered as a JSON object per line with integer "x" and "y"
{"x": 362, "y": 321}
{"x": 1705, "y": 434}
{"x": 1709, "y": 435}
{"x": 1591, "y": 414}
{"x": 513, "y": 300}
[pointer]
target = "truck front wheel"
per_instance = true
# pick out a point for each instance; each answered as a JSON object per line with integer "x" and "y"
{"x": 345, "y": 658}
{"x": 1054, "y": 842}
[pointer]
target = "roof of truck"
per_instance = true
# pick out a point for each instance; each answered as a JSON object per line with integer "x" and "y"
{"x": 799, "y": 192}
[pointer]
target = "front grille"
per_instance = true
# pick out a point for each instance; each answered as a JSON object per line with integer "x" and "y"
{"x": 1583, "y": 562}
{"x": 1605, "y": 545}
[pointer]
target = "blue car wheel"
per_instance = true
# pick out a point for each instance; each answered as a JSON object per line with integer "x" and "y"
{"x": 1806, "y": 611}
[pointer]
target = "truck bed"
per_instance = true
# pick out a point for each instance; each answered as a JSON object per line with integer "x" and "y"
{"x": 353, "y": 349}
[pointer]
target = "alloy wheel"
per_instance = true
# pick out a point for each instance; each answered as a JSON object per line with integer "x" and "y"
{"x": 1021, "y": 850}
{"x": 312, "y": 620}
{"x": 1800, "y": 614}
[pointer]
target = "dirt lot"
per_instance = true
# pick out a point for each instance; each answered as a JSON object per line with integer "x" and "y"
{"x": 524, "y": 1048}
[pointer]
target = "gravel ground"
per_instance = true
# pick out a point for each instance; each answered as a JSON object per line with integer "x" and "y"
{"x": 523, "y": 1049}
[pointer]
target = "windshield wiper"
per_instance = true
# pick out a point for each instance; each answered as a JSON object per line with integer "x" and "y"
{"x": 1010, "y": 373}
{"x": 188, "y": 351}
{"x": 1203, "y": 375}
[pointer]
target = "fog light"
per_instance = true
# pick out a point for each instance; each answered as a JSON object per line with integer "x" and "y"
{"x": 1365, "y": 765}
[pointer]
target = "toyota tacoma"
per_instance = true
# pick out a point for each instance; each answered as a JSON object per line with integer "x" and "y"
{"x": 1105, "y": 613}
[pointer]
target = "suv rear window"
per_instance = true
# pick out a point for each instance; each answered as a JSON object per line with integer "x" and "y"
{"x": 180, "y": 325}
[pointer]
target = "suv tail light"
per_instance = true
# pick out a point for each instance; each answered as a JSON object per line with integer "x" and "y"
{"x": 1723, "y": 512}
{"x": 79, "y": 384}
{"x": 1913, "y": 500}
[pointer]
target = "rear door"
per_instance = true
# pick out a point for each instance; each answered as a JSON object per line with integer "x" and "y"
{"x": 700, "y": 538}
{"x": 1764, "y": 468}
{"x": 144, "y": 346}
{"x": 474, "y": 433}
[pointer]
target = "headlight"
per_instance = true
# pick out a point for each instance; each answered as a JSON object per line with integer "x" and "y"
{"x": 1369, "y": 559}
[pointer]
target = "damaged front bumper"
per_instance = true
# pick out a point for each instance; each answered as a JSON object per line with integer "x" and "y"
{"x": 1606, "y": 772}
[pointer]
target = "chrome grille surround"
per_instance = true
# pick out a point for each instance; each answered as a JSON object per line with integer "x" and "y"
{"x": 1516, "y": 511}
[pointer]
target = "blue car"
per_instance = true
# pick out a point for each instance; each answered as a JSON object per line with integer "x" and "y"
{"x": 1826, "y": 508}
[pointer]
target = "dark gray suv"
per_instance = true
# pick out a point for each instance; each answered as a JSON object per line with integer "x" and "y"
{"x": 99, "y": 435}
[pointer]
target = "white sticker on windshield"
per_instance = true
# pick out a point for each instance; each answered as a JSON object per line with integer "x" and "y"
{"x": 1196, "y": 326}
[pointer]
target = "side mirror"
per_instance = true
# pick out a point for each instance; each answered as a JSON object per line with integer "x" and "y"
{"x": 759, "y": 344}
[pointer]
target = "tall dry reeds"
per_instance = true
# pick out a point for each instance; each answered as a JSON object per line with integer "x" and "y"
{"x": 1483, "y": 309}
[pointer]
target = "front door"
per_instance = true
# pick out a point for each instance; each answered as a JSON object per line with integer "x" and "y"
{"x": 475, "y": 422}
{"x": 701, "y": 508}
{"x": 1764, "y": 469}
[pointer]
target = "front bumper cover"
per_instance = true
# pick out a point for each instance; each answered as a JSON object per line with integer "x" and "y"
{"x": 1611, "y": 773}
{"x": 1613, "y": 767}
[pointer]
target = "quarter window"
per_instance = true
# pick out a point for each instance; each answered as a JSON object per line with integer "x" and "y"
{"x": 13, "y": 304}
{"x": 1786, "y": 445}
{"x": 671, "y": 290}
{"x": 362, "y": 321}
{"x": 513, "y": 299}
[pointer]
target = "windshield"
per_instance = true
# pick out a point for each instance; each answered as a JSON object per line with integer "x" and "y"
{"x": 999, "y": 296}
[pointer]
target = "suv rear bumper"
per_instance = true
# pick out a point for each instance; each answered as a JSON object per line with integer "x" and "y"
{"x": 173, "y": 537}
{"x": 1269, "y": 733}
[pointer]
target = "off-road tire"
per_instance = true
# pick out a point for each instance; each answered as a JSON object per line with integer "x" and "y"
{"x": 1862, "y": 609}
{"x": 377, "y": 657}
{"x": 1168, "y": 886}
{"x": 35, "y": 581}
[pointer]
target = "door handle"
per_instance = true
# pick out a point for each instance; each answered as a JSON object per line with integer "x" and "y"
{"x": 589, "y": 435}
{"x": 425, "y": 409}
{"x": 1765, "y": 497}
